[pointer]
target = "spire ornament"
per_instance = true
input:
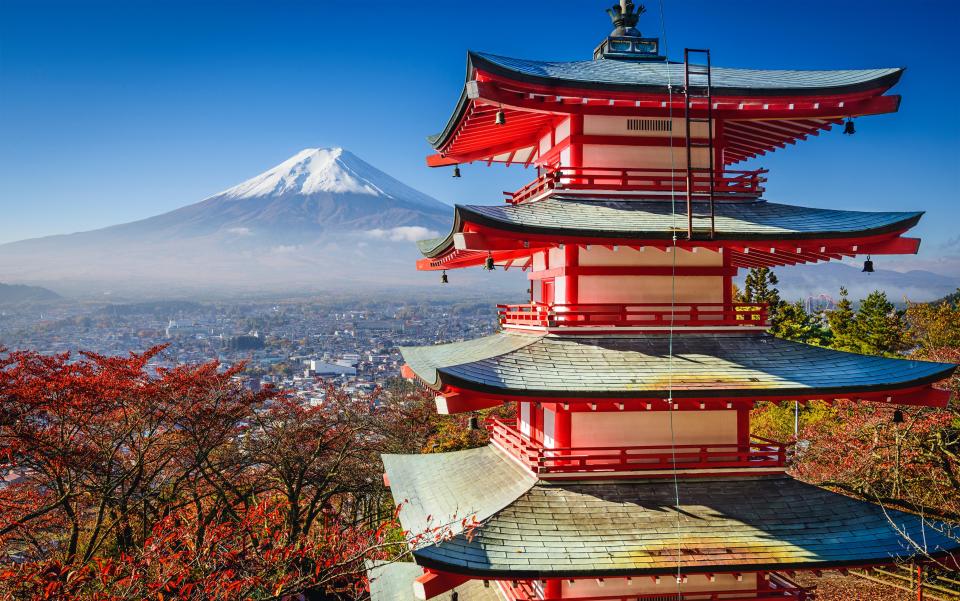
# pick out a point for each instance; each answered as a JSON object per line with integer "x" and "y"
{"x": 625, "y": 17}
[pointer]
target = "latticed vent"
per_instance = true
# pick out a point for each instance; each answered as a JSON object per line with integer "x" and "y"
{"x": 649, "y": 125}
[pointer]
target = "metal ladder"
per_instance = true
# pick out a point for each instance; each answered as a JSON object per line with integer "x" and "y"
{"x": 693, "y": 91}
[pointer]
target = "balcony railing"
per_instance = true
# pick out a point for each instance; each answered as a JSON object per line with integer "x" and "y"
{"x": 572, "y": 460}
{"x": 662, "y": 315}
{"x": 733, "y": 595}
{"x": 780, "y": 588}
{"x": 727, "y": 184}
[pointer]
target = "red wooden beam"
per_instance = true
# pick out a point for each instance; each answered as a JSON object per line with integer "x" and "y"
{"x": 433, "y": 583}
{"x": 461, "y": 400}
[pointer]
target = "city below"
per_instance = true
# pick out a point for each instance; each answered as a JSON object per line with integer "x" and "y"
{"x": 297, "y": 345}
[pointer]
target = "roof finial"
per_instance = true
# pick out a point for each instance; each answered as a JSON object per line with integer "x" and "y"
{"x": 625, "y": 18}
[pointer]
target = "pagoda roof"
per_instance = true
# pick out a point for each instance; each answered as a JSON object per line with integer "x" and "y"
{"x": 610, "y": 528}
{"x": 654, "y": 76}
{"x": 605, "y": 218}
{"x": 844, "y": 92}
{"x": 394, "y": 582}
{"x": 618, "y": 366}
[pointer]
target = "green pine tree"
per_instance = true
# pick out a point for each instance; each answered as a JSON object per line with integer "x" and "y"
{"x": 879, "y": 328}
{"x": 760, "y": 286}
{"x": 840, "y": 321}
{"x": 792, "y": 322}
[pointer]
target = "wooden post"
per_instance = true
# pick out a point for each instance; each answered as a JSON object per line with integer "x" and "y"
{"x": 553, "y": 589}
{"x": 919, "y": 582}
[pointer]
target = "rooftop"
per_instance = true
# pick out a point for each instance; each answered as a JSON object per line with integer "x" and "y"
{"x": 575, "y": 529}
{"x": 702, "y": 365}
{"x": 603, "y": 218}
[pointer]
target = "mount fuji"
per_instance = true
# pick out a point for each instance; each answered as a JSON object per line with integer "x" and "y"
{"x": 321, "y": 219}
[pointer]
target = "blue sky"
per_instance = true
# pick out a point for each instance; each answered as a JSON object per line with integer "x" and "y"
{"x": 115, "y": 111}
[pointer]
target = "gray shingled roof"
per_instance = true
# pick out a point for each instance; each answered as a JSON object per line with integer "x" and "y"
{"x": 453, "y": 495}
{"x": 394, "y": 582}
{"x": 619, "y": 528}
{"x": 654, "y": 76}
{"x": 619, "y": 366}
{"x": 561, "y": 215}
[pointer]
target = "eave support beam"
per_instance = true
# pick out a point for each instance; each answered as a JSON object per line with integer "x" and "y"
{"x": 432, "y": 584}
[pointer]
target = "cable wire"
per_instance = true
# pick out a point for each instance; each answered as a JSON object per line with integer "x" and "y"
{"x": 673, "y": 302}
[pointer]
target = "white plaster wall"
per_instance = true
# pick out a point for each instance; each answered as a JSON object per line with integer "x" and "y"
{"x": 642, "y": 157}
{"x": 539, "y": 262}
{"x": 645, "y": 585}
{"x": 649, "y": 289}
{"x": 549, "y": 441}
{"x": 563, "y": 130}
{"x": 525, "y": 419}
{"x": 639, "y": 428}
{"x": 625, "y": 256}
{"x": 606, "y": 125}
{"x": 545, "y": 144}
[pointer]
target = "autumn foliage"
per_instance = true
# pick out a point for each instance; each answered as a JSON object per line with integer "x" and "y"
{"x": 903, "y": 457}
{"x": 125, "y": 482}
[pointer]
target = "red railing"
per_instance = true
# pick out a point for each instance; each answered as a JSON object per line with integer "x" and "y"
{"x": 780, "y": 588}
{"x": 734, "y": 595}
{"x": 760, "y": 452}
{"x": 658, "y": 315}
{"x": 727, "y": 183}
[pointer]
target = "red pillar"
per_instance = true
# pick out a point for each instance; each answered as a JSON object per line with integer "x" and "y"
{"x": 576, "y": 140}
{"x": 727, "y": 284}
{"x": 553, "y": 589}
{"x": 571, "y": 258}
{"x": 562, "y": 430}
{"x": 919, "y": 582}
{"x": 743, "y": 428}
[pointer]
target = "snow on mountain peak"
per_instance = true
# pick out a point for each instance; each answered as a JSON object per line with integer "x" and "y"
{"x": 310, "y": 171}
{"x": 326, "y": 170}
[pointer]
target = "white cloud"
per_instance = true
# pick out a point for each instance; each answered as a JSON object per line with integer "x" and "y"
{"x": 404, "y": 233}
{"x": 240, "y": 231}
{"x": 284, "y": 249}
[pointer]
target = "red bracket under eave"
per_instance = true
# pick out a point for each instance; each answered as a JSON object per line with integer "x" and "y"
{"x": 433, "y": 583}
{"x": 459, "y": 400}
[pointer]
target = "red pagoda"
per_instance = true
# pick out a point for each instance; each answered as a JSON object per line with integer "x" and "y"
{"x": 630, "y": 472}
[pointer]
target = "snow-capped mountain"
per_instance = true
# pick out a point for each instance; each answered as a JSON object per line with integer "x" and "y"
{"x": 318, "y": 170}
{"x": 321, "y": 208}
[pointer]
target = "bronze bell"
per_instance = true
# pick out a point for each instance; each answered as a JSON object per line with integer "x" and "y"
{"x": 501, "y": 118}
{"x": 456, "y": 171}
{"x": 473, "y": 423}
{"x": 868, "y": 265}
{"x": 443, "y": 278}
{"x": 488, "y": 264}
{"x": 898, "y": 417}
{"x": 848, "y": 128}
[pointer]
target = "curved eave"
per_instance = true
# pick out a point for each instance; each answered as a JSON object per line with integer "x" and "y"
{"x": 479, "y": 62}
{"x": 707, "y": 366}
{"x": 881, "y": 83}
{"x": 530, "y": 529}
{"x": 473, "y": 215}
{"x": 442, "y": 250}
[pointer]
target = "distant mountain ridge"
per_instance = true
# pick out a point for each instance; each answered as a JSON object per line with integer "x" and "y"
{"x": 321, "y": 208}
{"x": 18, "y": 293}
